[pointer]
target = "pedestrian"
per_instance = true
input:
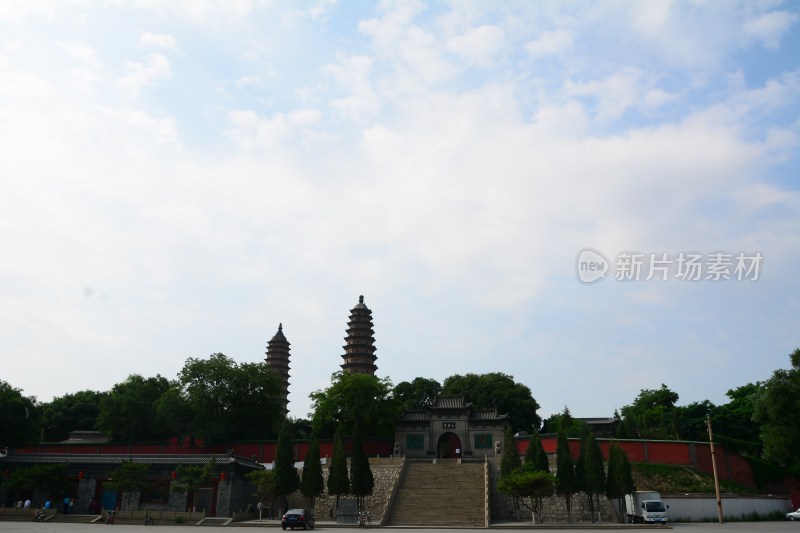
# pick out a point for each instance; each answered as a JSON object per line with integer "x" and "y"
{"x": 27, "y": 504}
{"x": 66, "y": 504}
{"x": 259, "y": 510}
{"x": 48, "y": 504}
{"x": 71, "y": 505}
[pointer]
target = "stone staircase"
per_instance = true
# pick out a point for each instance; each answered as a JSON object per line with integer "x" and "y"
{"x": 440, "y": 494}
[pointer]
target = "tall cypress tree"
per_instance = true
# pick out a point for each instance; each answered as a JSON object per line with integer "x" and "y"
{"x": 594, "y": 476}
{"x": 338, "y": 481}
{"x": 286, "y": 478}
{"x": 536, "y": 460}
{"x": 620, "y": 480}
{"x": 567, "y": 483}
{"x": 510, "y": 460}
{"x": 361, "y": 479}
{"x": 312, "y": 483}
{"x": 535, "y": 456}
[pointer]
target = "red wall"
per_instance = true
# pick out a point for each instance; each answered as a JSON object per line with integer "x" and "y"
{"x": 730, "y": 466}
{"x": 263, "y": 451}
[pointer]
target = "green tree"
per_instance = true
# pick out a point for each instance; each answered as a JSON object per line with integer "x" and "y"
{"x": 338, "y": 480}
{"x": 535, "y": 456}
{"x": 264, "y": 481}
{"x": 734, "y": 424}
{"x": 361, "y": 479}
{"x": 76, "y": 411}
{"x": 19, "y": 418}
{"x": 312, "y": 483}
{"x": 416, "y": 395}
{"x": 593, "y": 471}
{"x": 777, "y": 409}
{"x": 498, "y": 390}
{"x": 510, "y": 460}
{"x": 619, "y": 481}
{"x": 355, "y": 400}
{"x": 129, "y": 408}
{"x": 526, "y": 482}
{"x": 226, "y": 400}
{"x": 652, "y": 415}
{"x": 565, "y": 423}
{"x": 192, "y": 478}
{"x": 48, "y": 478}
{"x": 692, "y": 420}
{"x": 129, "y": 478}
{"x": 286, "y": 478}
{"x": 566, "y": 484}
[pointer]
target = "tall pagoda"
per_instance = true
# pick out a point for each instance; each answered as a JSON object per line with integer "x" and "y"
{"x": 359, "y": 352}
{"x": 278, "y": 362}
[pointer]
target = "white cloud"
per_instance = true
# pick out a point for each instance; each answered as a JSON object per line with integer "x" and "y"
{"x": 479, "y": 45}
{"x": 353, "y": 75}
{"x": 83, "y": 53}
{"x": 549, "y": 43}
{"x": 252, "y": 131}
{"x": 142, "y": 75}
{"x": 159, "y": 40}
{"x": 162, "y": 130}
{"x": 454, "y": 197}
{"x": 769, "y": 28}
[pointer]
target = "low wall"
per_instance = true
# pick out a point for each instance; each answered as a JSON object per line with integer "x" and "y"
{"x": 698, "y": 507}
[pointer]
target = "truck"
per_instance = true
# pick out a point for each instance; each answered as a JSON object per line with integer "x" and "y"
{"x": 645, "y": 507}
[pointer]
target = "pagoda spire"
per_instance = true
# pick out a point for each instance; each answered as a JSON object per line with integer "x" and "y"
{"x": 278, "y": 362}
{"x": 359, "y": 350}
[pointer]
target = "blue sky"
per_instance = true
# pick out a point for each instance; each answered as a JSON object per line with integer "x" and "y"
{"x": 177, "y": 178}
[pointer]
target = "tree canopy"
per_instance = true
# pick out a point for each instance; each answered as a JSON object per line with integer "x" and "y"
{"x": 226, "y": 400}
{"x": 652, "y": 414}
{"x": 19, "y": 418}
{"x": 417, "y": 394}
{"x": 76, "y": 411}
{"x": 355, "y": 400}
{"x": 777, "y": 409}
{"x": 498, "y": 390}
{"x": 129, "y": 409}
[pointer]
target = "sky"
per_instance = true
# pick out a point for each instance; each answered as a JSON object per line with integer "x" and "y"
{"x": 592, "y": 197}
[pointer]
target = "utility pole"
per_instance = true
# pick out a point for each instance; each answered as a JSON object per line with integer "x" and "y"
{"x": 714, "y": 467}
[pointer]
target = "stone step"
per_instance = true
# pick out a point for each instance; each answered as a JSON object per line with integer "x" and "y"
{"x": 440, "y": 494}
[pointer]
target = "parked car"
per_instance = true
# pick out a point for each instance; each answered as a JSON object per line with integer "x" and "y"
{"x": 794, "y": 515}
{"x": 298, "y": 518}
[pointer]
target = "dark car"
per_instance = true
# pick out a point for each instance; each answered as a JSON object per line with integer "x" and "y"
{"x": 298, "y": 518}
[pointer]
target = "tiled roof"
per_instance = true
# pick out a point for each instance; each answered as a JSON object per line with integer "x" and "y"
{"x": 450, "y": 401}
{"x": 486, "y": 414}
{"x": 596, "y": 421}
{"x": 415, "y": 416}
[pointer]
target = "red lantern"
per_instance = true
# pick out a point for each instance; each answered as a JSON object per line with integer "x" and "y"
{"x": 80, "y": 476}
{"x": 222, "y": 476}
{"x": 173, "y": 475}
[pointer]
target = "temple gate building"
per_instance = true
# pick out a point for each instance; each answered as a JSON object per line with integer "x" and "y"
{"x": 450, "y": 428}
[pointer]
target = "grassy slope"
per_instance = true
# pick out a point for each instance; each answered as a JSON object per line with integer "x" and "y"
{"x": 679, "y": 479}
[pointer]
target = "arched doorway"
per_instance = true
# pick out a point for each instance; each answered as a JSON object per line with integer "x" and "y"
{"x": 448, "y": 446}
